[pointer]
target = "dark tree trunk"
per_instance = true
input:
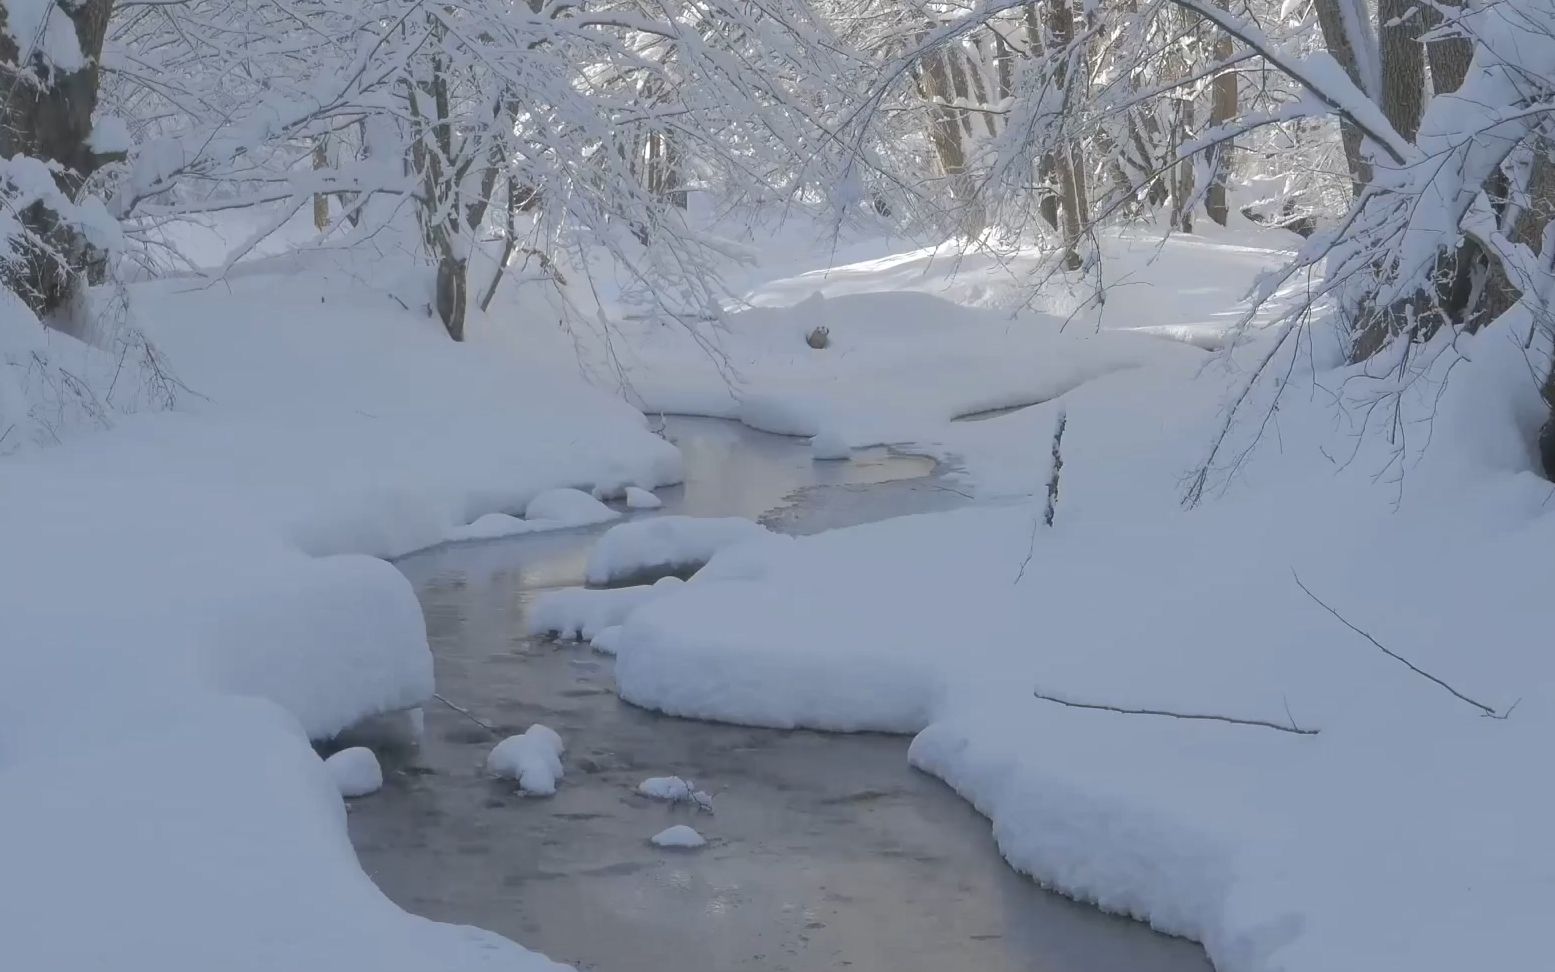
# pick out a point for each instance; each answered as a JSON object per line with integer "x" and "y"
{"x": 47, "y": 115}
{"x": 452, "y": 294}
{"x": 1403, "y": 64}
{"x": 1331, "y": 20}
{"x": 1223, "y": 110}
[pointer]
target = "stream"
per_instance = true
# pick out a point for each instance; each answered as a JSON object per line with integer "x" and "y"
{"x": 825, "y": 851}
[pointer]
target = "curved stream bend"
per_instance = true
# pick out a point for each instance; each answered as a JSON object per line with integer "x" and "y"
{"x": 826, "y": 851}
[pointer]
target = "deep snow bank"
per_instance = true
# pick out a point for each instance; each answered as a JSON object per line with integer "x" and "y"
{"x": 924, "y": 337}
{"x": 1409, "y": 833}
{"x": 156, "y": 573}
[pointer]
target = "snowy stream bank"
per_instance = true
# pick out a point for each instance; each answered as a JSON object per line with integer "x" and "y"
{"x": 823, "y": 849}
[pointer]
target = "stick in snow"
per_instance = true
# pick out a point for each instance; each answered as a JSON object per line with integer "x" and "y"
{"x": 1051, "y": 508}
{"x": 1484, "y": 709}
{"x": 468, "y": 715}
{"x": 1294, "y": 729}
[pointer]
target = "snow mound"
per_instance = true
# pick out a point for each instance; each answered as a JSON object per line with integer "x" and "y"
{"x": 670, "y": 788}
{"x": 533, "y": 758}
{"x": 667, "y": 544}
{"x": 638, "y": 498}
{"x": 553, "y": 509}
{"x": 679, "y": 836}
{"x": 580, "y": 613}
{"x": 608, "y": 641}
{"x": 782, "y": 413}
{"x": 568, "y": 507}
{"x": 676, "y": 789}
{"x": 491, "y": 526}
{"x": 829, "y": 444}
{"x": 355, "y": 771}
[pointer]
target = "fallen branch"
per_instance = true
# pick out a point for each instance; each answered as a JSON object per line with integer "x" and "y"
{"x": 1205, "y": 716}
{"x": 1058, "y": 467}
{"x": 1484, "y": 709}
{"x": 1050, "y": 509}
{"x": 468, "y": 715}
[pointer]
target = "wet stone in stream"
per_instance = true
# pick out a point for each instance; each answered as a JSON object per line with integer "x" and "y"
{"x": 825, "y": 851}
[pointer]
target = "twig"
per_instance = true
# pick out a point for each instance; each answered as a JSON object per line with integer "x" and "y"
{"x": 469, "y": 715}
{"x": 1058, "y": 467}
{"x": 1051, "y": 507}
{"x": 1295, "y": 730}
{"x": 1482, "y": 707}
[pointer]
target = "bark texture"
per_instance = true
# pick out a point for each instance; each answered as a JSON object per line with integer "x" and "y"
{"x": 47, "y": 115}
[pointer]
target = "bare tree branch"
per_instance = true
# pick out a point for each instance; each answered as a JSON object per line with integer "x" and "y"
{"x": 1205, "y": 716}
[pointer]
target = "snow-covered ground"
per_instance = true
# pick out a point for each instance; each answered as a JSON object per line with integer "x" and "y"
{"x": 189, "y": 596}
{"x": 1381, "y": 821}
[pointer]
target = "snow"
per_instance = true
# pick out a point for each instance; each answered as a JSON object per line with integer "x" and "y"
{"x": 671, "y": 788}
{"x": 579, "y": 613}
{"x": 923, "y": 337}
{"x": 110, "y": 135}
{"x": 679, "y": 836}
{"x": 641, "y": 499}
{"x": 553, "y": 509}
{"x": 667, "y": 544}
{"x": 1277, "y": 850}
{"x": 491, "y": 526}
{"x": 39, "y": 27}
{"x": 829, "y": 444}
{"x": 675, "y": 789}
{"x": 571, "y": 507}
{"x": 355, "y": 771}
{"x": 1218, "y": 832}
{"x": 191, "y": 595}
{"x": 533, "y": 758}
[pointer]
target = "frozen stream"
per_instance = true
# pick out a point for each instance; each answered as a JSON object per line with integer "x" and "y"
{"x": 826, "y": 851}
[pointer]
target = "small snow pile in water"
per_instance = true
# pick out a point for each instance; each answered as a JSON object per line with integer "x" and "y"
{"x": 829, "y": 444}
{"x": 638, "y": 498}
{"x": 491, "y": 526}
{"x": 665, "y": 788}
{"x": 553, "y": 509}
{"x": 666, "y": 544}
{"x": 533, "y": 758}
{"x": 568, "y": 507}
{"x": 679, "y": 836}
{"x": 355, "y": 771}
{"x": 675, "y": 789}
{"x": 579, "y": 613}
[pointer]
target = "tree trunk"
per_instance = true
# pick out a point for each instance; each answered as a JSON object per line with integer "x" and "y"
{"x": 451, "y": 293}
{"x": 1449, "y": 57}
{"x": 948, "y": 136}
{"x": 1403, "y": 64}
{"x": 320, "y": 200}
{"x": 46, "y": 114}
{"x": 1223, "y": 110}
{"x": 1068, "y": 209}
{"x": 1331, "y": 19}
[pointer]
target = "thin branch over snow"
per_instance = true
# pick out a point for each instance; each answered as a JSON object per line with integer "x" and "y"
{"x": 1482, "y": 707}
{"x": 1050, "y": 509}
{"x": 1210, "y": 717}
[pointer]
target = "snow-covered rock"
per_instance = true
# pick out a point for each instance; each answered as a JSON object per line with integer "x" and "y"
{"x": 676, "y": 789}
{"x": 679, "y": 836}
{"x": 533, "y": 758}
{"x": 667, "y": 544}
{"x": 355, "y": 771}
{"x": 638, "y": 498}
{"x": 671, "y": 788}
